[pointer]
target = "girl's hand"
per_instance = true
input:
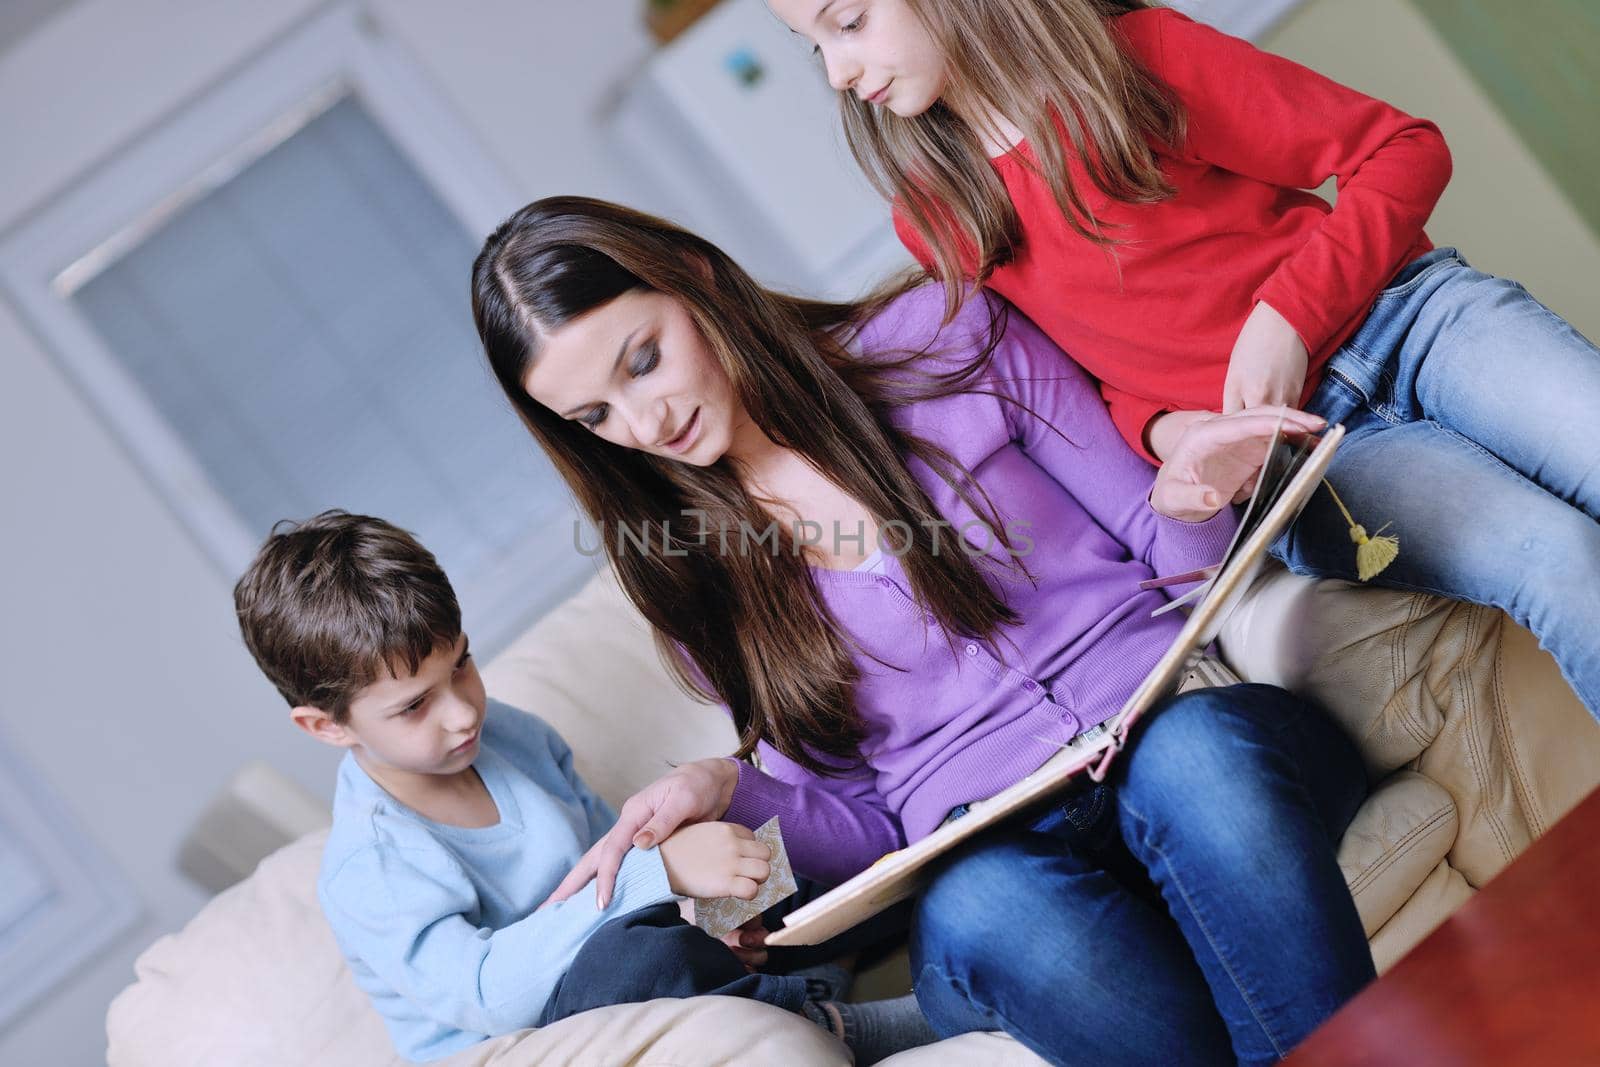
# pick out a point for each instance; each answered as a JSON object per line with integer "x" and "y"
{"x": 695, "y": 792}
{"x": 1217, "y": 458}
{"x": 715, "y": 859}
{"x": 1268, "y": 364}
{"x": 1162, "y": 434}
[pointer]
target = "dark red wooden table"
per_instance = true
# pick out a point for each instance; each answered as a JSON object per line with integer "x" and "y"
{"x": 1513, "y": 977}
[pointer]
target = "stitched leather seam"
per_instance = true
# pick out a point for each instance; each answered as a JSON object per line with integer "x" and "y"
{"x": 1397, "y": 660}
{"x": 1397, "y": 708}
{"x": 1484, "y": 616}
{"x": 1392, "y": 856}
{"x": 1479, "y": 762}
{"x": 1408, "y": 718}
{"x": 1519, "y": 778}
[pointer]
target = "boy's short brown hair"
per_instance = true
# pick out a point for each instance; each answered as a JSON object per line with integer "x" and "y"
{"x": 330, "y": 602}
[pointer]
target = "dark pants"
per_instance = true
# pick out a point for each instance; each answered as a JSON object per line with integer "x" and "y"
{"x": 653, "y": 953}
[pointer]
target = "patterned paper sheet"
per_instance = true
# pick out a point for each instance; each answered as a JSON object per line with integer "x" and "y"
{"x": 719, "y": 915}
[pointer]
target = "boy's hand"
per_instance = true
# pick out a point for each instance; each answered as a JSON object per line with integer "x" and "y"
{"x": 715, "y": 859}
{"x": 1268, "y": 364}
{"x": 749, "y": 943}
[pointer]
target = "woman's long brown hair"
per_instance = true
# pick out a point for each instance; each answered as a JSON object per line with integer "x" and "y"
{"x": 1051, "y": 67}
{"x": 753, "y": 622}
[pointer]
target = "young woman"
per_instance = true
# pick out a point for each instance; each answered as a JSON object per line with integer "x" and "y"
{"x": 970, "y": 605}
{"x": 1136, "y": 183}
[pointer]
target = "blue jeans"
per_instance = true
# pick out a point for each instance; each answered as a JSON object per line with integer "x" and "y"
{"x": 1187, "y": 910}
{"x": 1473, "y": 427}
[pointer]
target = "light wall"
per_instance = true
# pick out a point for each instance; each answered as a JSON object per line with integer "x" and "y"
{"x": 124, "y": 682}
{"x": 1502, "y": 211}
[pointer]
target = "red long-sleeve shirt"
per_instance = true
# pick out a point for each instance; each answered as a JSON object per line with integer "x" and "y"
{"x": 1156, "y": 324}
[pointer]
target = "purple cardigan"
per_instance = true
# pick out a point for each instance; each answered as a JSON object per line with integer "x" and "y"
{"x": 954, "y": 723}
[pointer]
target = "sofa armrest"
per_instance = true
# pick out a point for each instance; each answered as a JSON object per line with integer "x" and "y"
{"x": 1378, "y": 660}
{"x": 1399, "y": 835}
{"x": 1456, "y": 691}
{"x": 590, "y": 669}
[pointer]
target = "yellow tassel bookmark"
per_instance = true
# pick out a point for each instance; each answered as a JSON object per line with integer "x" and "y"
{"x": 1373, "y": 553}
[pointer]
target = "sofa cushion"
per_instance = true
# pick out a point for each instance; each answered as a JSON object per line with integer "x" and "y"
{"x": 1398, "y": 836}
{"x": 1366, "y": 655}
{"x": 591, "y": 670}
{"x": 1550, "y": 742}
{"x": 1441, "y": 892}
{"x": 255, "y": 980}
{"x": 1518, "y": 751}
{"x": 1456, "y": 691}
{"x": 988, "y": 1049}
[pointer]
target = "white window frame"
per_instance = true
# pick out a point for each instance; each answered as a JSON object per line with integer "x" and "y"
{"x": 85, "y": 903}
{"x": 338, "y": 51}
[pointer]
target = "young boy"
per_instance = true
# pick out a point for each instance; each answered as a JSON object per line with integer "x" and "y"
{"x": 455, "y": 816}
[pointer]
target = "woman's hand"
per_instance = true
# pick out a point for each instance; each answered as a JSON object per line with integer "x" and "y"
{"x": 1218, "y": 458}
{"x": 1268, "y": 363}
{"x": 716, "y": 859}
{"x": 695, "y": 792}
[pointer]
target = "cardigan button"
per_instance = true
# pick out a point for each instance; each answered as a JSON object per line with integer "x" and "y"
{"x": 1030, "y": 686}
{"x": 972, "y": 650}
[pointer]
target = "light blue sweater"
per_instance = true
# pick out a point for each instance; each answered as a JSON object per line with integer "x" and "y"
{"x": 438, "y": 922}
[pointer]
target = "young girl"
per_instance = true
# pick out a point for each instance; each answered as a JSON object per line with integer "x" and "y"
{"x": 1190, "y": 908}
{"x": 1134, "y": 182}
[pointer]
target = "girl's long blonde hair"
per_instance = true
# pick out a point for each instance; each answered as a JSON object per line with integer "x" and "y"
{"x": 1051, "y": 67}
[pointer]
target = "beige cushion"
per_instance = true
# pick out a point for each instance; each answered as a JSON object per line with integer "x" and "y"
{"x": 1397, "y": 837}
{"x": 590, "y": 669}
{"x": 1520, "y": 752}
{"x": 976, "y": 1050}
{"x": 1439, "y": 894}
{"x": 1456, "y": 692}
{"x": 1366, "y": 656}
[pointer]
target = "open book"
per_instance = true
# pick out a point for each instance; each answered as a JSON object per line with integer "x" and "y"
{"x": 1289, "y": 476}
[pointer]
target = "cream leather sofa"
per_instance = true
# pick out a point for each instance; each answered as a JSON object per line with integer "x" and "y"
{"x": 1473, "y": 742}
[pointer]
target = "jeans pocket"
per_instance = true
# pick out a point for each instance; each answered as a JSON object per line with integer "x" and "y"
{"x": 1351, "y": 380}
{"x": 1084, "y": 810}
{"x": 1411, "y": 275}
